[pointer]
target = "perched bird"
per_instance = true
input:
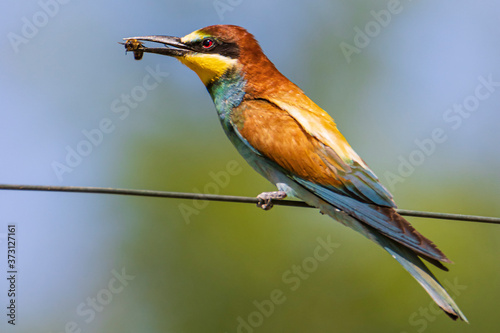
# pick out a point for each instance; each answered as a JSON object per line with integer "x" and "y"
{"x": 296, "y": 145}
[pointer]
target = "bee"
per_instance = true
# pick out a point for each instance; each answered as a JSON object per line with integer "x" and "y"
{"x": 135, "y": 46}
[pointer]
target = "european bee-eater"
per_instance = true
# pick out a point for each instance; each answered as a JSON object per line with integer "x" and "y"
{"x": 296, "y": 145}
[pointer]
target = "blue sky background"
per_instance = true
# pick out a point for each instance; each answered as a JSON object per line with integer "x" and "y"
{"x": 68, "y": 72}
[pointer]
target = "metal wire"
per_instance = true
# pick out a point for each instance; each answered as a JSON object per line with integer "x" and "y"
{"x": 228, "y": 198}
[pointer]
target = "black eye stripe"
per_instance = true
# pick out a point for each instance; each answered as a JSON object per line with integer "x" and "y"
{"x": 230, "y": 50}
{"x": 215, "y": 46}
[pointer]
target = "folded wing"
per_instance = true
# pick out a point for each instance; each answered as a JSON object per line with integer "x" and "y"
{"x": 307, "y": 146}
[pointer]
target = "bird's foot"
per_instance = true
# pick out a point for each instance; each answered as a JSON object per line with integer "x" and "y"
{"x": 265, "y": 199}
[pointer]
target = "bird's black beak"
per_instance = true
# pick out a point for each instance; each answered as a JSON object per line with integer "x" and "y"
{"x": 174, "y": 46}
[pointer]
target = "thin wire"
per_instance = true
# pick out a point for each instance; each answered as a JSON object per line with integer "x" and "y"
{"x": 227, "y": 198}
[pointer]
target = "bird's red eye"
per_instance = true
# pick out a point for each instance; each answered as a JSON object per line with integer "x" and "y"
{"x": 207, "y": 43}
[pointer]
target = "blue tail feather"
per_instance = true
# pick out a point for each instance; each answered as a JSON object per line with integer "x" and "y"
{"x": 364, "y": 219}
{"x": 383, "y": 219}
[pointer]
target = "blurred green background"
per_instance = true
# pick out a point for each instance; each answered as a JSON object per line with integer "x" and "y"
{"x": 100, "y": 263}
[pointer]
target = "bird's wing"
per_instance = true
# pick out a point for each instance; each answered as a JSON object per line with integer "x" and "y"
{"x": 330, "y": 161}
{"x": 357, "y": 180}
{"x": 318, "y": 157}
